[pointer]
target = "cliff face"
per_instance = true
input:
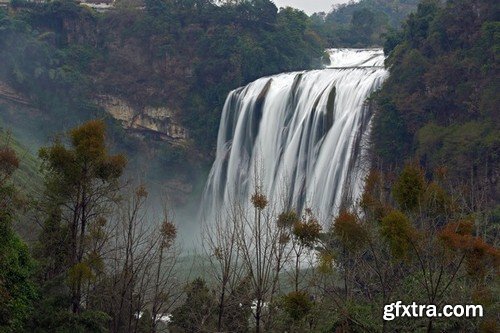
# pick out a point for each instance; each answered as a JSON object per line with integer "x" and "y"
{"x": 160, "y": 122}
{"x": 166, "y": 151}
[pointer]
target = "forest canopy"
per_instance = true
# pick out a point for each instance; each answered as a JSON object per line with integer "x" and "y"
{"x": 440, "y": 103}
{"x": 363, "y": 23}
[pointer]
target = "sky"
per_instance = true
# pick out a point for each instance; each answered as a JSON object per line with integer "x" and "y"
{"x": 310, "y": 6}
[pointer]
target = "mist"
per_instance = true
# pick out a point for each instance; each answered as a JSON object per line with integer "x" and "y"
{"x": 310, "y": 7}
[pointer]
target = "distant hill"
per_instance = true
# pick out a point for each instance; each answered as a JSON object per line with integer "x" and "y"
{"x": 363, "y": 23}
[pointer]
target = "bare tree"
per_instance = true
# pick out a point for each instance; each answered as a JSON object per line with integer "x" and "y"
{"x": 224, "y": 258}
{"x": 166, "y": 286}
{"x": 264, "y": 252}
{"x": 140, "y": 259}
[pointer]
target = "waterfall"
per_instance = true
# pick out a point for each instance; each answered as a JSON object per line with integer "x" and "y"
{"x": 302, "y": 134}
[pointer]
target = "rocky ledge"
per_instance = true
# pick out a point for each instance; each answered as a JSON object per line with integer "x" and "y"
{"x": 159, "y": 121}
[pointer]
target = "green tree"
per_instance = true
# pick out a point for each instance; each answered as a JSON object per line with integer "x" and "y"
{"x": 297, "y": 304}
{"x": 397, "y": 230}
{"x": 81, "y": 183}
{"x": 409, "y": 188}
{"x": 198, "y": 312}
{"x": 17, "y": 291}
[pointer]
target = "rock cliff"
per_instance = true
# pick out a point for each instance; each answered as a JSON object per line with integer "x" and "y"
{"x": 158, "y": 121}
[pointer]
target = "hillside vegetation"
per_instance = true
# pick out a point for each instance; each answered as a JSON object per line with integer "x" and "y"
{"x": 27, "y": 177}
{"x": 440, "y": 104}
{"x": 362, "y": 23}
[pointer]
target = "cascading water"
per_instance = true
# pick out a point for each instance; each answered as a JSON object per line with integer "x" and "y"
{"x": 301, "y": 132}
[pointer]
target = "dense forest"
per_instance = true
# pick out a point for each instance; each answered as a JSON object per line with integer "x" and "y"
{"x": 362, "y": 23}
{"x": 101, "y": 258}
{"x": 439, "y": 106}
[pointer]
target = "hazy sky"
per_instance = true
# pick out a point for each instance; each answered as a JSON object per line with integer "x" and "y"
{"x": 309, "y": 6}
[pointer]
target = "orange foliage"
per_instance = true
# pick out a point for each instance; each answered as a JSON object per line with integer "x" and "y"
{"x": 373, "y": 181}
{"x": 350, "y": 232}
{"x": 141, "y": 191}
{"x": 259, "y": 201}
{"x": 441, "y": 172}
{"x": 483, "y": 295}
{"x": 371, "y": 197}
{"x": 8, "y": 163}
{"x": 479, "y": 255}
{"x": 169, "y": 233}
{"x": 307, "y": 230}
{"x": 287, "y": 219}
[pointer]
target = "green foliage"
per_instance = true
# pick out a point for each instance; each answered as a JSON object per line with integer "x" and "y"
{"x": 39, "y": 62}
{"x": 171, "y": 155}
{"x": 349, "y": 231}
{"x": 432, "y": 254}
{"x": 439, "y": 105}
{"x": 362, "y": 24}
{"x": 238, "y": 308}
{"x": 53, "y": 252}
{"x": 297, "y": 304}
{"x": 17, "y": 291}
{"x": 307, "y": 230}
{"x": 409, "y": 188}
{"x": 390, "y": 133}
{"x": 50, "y": 318}
{"x": 87, "y": 160}
{"x": 459, "y": 146}
{"x": 397, "y": 230}
{"x": 198, "y": 310}
{"x": 436, "y": 200}
{"x": 80, "y": 272}
{"x": 240, "y": 43}
{"x": 83, "y": 167}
